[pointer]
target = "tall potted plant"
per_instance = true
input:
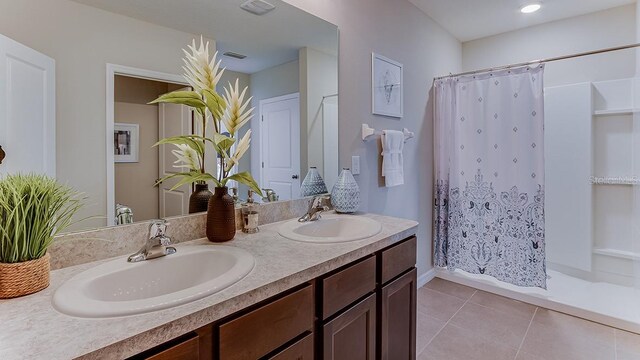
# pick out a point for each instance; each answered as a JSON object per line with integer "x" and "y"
{"x": 227, "y": 113}
{"x": 33, "y": 210}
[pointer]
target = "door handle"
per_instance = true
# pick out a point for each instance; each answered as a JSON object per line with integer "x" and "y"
{"x": 294, "y": 177}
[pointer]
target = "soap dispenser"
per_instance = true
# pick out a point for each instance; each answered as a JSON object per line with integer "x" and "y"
{"x": 250, "y": 215}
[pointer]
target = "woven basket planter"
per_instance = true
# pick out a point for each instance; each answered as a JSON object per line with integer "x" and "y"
{"x": 24, "y": 278}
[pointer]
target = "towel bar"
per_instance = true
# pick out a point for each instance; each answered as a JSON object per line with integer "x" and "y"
{"x": 369, "y": 133}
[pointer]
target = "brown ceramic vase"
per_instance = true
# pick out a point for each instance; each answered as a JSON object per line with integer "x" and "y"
{"x": 199, "y": 200}
{"x": 221, "y": 216}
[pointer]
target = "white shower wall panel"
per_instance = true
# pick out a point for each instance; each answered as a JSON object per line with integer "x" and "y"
{"x": 568, "y": 168}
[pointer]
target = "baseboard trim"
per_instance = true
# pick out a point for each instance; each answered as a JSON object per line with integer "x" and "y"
{"x": 426, "y": 277}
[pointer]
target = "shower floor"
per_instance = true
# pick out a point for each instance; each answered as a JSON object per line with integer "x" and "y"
{"x": 613, "y": 305}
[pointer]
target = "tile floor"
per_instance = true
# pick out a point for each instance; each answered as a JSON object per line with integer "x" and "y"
{"x": 459, "y": 322}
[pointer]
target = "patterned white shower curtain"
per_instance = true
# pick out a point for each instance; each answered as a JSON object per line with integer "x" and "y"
{"x": 489, "y": 165}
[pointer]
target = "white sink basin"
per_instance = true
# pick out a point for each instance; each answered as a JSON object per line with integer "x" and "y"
{"x": 331, "y": 228}
{"x": 119, "y": 288}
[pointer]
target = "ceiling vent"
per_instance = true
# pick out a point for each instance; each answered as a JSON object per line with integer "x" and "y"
{"x": 234, "y": 55}
{"x": 257, "y": 7}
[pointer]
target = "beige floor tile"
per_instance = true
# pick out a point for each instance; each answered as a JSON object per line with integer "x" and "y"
{"x": 503, "y": 304}
{"x": 555, "y": 336}
{"x": 454, "y": 343}
{"x": 426, "y": 328}
{"x": 492, "y": 324}
{"x": 450, "y": 288}
{"x": 628, "y": 343}
{"x": 589, "y": 330}
{"x": 437, "y": 305}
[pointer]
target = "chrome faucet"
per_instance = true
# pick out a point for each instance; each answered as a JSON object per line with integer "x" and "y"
{"x": 157, "y": 245}
{"x": 318, "y": 205}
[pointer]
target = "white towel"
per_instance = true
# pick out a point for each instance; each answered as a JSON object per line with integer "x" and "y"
{"x": 392, "y": 159}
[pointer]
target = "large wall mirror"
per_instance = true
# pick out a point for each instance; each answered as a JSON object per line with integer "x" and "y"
{"x": 110, "y": 58}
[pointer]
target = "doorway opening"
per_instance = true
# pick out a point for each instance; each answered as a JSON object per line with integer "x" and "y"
{"x": 134, "y": 165}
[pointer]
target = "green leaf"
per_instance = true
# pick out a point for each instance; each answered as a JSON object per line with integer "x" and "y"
{"x": 182, "y": 97}
{"x": 244, "y": 178}
{"x": 188, "y": 178}
{"x": 215, "y": 103}
{"x": 184, "y": 140}
{"x": 223, "y": 142}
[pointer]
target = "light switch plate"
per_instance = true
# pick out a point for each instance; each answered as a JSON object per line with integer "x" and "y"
{"x": 355, "y": 165}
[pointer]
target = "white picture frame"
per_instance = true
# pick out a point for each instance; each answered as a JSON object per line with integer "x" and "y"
{"x": 126, "y": 143}
{"x": 387, "y": 86}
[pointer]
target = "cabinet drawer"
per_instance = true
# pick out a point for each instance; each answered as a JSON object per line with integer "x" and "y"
{"x": 187, "y": 350}
{"x": 301, "y": 350}
{"x": 345, "y": 287}
{"x": 263, "y": 330}
{"x": 397, "y": 259}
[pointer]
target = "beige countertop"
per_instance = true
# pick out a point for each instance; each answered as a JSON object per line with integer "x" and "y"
{"x": 30, "y": 328}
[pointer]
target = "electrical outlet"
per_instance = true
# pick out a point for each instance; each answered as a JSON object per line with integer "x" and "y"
{"x": 355, "y": 165}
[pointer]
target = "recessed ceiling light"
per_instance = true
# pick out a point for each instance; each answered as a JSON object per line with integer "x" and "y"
{"x": 530, "y": 8}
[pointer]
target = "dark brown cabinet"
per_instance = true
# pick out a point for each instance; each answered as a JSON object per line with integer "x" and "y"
{"x": 352, "y": 334}
{"x": 302, "y": 349}
{"x": 397, "y": 318}
{"x": 397, "y": 287}
{"x": 196, "y": 345}
{"x": 365, "y": 310}
{"x": 267, "y": 328}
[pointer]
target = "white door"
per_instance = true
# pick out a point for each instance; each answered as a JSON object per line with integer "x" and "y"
{"x": 280, "y": 135}
{"x": 27, "y": 110}
{"x": 174, "y": 120}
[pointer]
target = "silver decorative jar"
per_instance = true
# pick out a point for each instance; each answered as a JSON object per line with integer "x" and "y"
{"x": 345, "y": 195}
{"x": 313, "y": 184}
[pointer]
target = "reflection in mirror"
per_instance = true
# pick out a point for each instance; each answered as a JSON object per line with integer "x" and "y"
{"x": 287, "y": 58}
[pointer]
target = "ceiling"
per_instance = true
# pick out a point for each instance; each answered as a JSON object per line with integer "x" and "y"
{"x": 474, "y": 19}
{"x": 268, "y": 40}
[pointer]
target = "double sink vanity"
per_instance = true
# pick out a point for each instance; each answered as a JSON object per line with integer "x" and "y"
{"x": 341, "y": 287}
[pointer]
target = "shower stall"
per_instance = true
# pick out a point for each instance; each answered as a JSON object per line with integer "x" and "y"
{"x": 591, "y": 190}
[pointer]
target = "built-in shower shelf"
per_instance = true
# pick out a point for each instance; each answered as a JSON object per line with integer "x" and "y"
{"x": 617, "y": 182}
{"x": 622, "y": 254}
{"x": 616, "y": 112}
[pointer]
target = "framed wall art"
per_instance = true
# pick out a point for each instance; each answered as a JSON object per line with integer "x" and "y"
{"x": 387, "y": 86}
{"x": 126, "y": 142}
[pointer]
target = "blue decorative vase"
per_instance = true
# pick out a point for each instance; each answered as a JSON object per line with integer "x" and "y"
{"x": 313, "y": 184}
{"x": 345, "y": 195}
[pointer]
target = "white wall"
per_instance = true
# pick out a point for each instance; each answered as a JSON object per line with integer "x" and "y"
{"x": 603, "y": 29}
{"x": 399, "y": 30}
{"x": 318, "y": 78}
{"x": 82, "y": 40}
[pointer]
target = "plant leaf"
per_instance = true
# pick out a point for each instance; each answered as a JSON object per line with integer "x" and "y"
{"x": 244, "y": 178}
{"x": 182, "y": 97}
{"x": 223, "y": 142}
{"x": 215, "y": 103}
{"x": 183, "y": 140}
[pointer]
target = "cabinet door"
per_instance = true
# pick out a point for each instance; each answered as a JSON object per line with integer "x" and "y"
{"x": 352, "y": 335}
{"x": 398, "y": 318}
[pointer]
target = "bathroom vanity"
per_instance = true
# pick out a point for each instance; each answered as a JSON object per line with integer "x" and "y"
{"x": 302, "y": 300}
{"x": 364, "y": 310}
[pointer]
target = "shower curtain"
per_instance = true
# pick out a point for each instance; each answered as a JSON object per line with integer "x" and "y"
{"x": 489, "y": 175}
